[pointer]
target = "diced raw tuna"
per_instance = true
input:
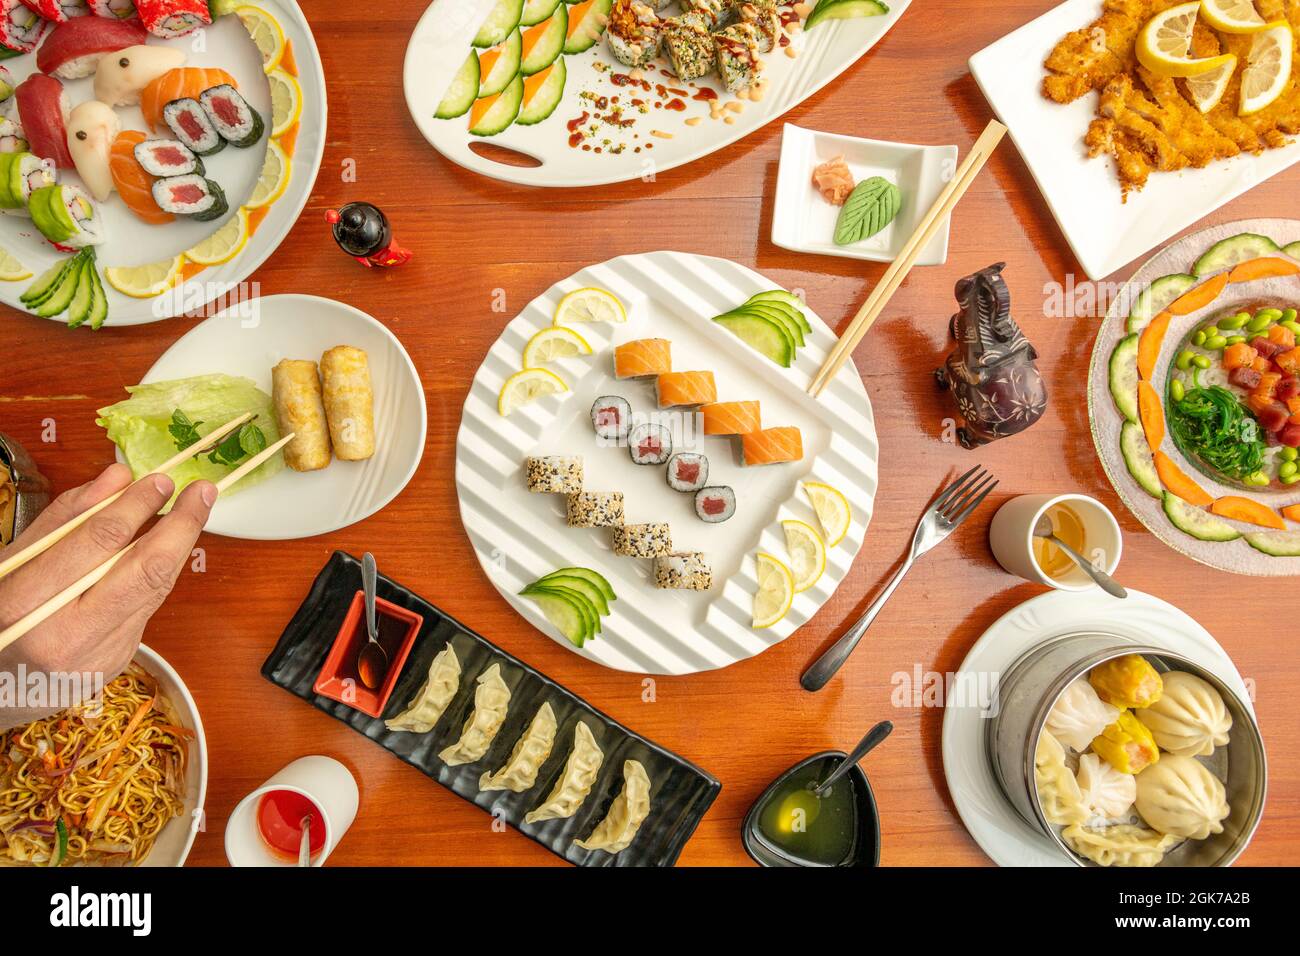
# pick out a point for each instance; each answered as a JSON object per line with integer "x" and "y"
{"x": 1290, "y": 435}
{"x": 1288, "y": 388}
{"x": 1243, "y": 377}
{"x": 1273, "y": 418}
{"x": 1265, "y": 347}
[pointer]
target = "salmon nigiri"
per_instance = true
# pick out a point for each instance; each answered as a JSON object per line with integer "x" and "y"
{"x": 134, "y": 185}
{"x": 771, "y": 445}
{"x": 731, "y": 418}
{"x": 686, "y": 388}
{"x": 185, "y": 82}
{"x": 643, "y": 357}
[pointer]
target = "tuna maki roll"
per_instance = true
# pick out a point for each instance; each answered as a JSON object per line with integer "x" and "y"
{"x": 643, "y": 540}
{"x": 689, "y": 45}
{"x": 650, "y": 444}
{"x": 683, "y": 570}
{"x": 763, "y": 16}
{"x": 554, "y": 474}
{"x": 166, "y": 157}
{"x": 687, "y": 471}
{"x": 715, "y": 504}
{"x": 633, "y": 33}
{"x": 737, "y": 56}
{"x": 611, "y": 416}
{"x": 594, "y": 509}
{"x": 237, "y": 122}
{"x": 21, "y": 174}
{"x": 66, "y": 216}
{"x": 192, "y": 196}
{"x": 189, "y": 121}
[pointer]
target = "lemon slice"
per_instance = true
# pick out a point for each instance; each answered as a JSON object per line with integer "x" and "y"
{"x": 833, "y": 511}
{"x": 274, "y": 178}
{"x": 266, "y": 34}
{"x": 775, "y": 591}
{"x": 146, "y": 281}
{"x": 286, "y": 101}
{"x": 224, "y": 244}
{"x": 807, "y": 553}
{"x": 1268, "y": 68}
{"x": 1233, "y": 16}
{"x": 526, "y": 386}
{"x": 11, "y": 270}
{"x": 553, "y": 343}
{"x": 590, "y": 305}
{"x": 1165, "y": 43}
{"x": 1207, "y": 89}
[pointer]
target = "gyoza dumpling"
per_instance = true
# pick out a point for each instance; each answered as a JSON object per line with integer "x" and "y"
{"x": 627, "y": 811}
{"x": 1122, "y": 845}
{"x": 1181, "y": 797}
{"x": 527, "y": 757}
{"x": 1079, "y": 715}
{"x": 1058, "y": 791}
{"x": 1108, "y": 795}
{"x": 491, "y": 701}
{"x": 575, "y": 783}
{"x": 1190, "y": 719}
{"x": 432, "y": 699}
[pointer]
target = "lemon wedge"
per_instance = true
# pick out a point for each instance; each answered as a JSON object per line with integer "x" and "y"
{"x": 146, "y": 281}
{"x": 1268, "y": 68}
{"x": 590, "y": 305}
{"x": 1165, "y": 43}
{"x": 286, "y": 101}
{"x": 775, "y": 591}
{"x": 11, "y": 270}
{"x": 1233, "y": 16}
{"x": 527, "y": 386}
{"x": 274, "y": 178}
{"x": 224, "y": 244}
{"x": 833, "y": 511}
{"x": 1207, "y": 89}
{"x": 553, "y": 343}
{"x": 807, "y": 553}
{"x": 266, "y": 34}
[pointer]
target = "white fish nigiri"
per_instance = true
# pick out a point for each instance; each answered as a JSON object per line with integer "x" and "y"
{"x": 92, "y": 127}
{"x": 122, "y": 75}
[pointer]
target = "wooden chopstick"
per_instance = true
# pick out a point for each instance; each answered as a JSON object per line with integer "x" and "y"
{"x": 83, "y": 584}
{"x": 43, "y": 544}
{"x": 943, "y": 206}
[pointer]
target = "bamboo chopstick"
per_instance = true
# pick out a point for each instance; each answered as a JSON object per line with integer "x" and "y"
{"x": 83, "y": 584}
{"x": 943, "y": 206}
{"x": 43, "y": 544}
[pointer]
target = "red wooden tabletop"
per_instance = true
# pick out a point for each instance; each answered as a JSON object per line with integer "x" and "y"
{"x": 475, "y": 237}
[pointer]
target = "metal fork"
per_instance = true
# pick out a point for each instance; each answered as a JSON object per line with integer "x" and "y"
{"x": 953, "y": 506}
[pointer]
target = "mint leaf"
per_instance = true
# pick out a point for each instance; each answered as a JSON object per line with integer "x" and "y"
{"x": 183, "y": 431}
{"x": 871, "y": 207}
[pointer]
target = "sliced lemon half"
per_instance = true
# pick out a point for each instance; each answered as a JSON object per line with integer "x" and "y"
{"x": 1233, "y": 16}
{"x": 11, "y": 270}
{"x": 775, "y": 590}
{"x": 1207, "y": 89}
{"x": 146, "y": 281}
{"x": 266, "y": 34}
{"x": 1268, "y": 68}
{"x": 286, "y": 100}
{"x": 833, "y": 511}
{"x": 527, "y": 386}
{"x": 224, "y": 244}
{"x": 1165, "y": 44}
{"x": 807, "y": 553}
{"x": 590, "y": 305}
{"x": 274, "y": 178}
{"x": 553, "y": 343}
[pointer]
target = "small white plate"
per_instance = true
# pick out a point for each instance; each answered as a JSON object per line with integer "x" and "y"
{"x": 248, "y": 341}
{"x": 802, "y": 221}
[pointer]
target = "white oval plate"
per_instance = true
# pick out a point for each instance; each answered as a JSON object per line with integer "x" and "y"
{"x": 520, "y": 536}
{"x": 131, "y": 242}
{"x": 441, "y": 40}
{"x": 249, "y": 342}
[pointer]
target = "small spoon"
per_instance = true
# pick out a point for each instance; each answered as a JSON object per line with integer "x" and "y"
{"x": 874, "y": 736}
{"x": 1043, "y": 529}
{"x": 372, "y": 662}
{"x": 304, "y": 848}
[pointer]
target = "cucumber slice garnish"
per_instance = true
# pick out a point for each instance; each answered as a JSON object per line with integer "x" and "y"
{"x": 79, "y": 307}
{"x": 593, "y": 577}
{"x": 535, "y": 11}
{"x": 565, "y": 613}
{"x": 595, "y": 597}
{"x": 787, "y": 298}
{"x": 46, "y": 283}
{"x": 1138, "y": 459}
{"x": 99, "y": 303}
{"x": 1197, "y": 522}
{"x": 1233, "y": 250}
{"x": 1152, "y": 300}
{"x": 587, "y": 23}
{"x": 780, "y": 313}
{"x": 1292, "y": 249}
{"x": 63, "y": 295}
{"x": 464, "y": 90}
{"x": 492, "y": 114}
{"x": 504, "y": 67}
{"x": 505, "y": 16}
{"x": 844, "y": 10}
{"x": 543, "y": 96}
{"x": 544, "y": 43}
{"x": 764, "y": 335}
{"x": 1276, "y": 544}
{"x": 1124, "y": 377}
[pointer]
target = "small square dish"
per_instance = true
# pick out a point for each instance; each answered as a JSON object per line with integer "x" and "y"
{"x": 338, "y": 679}
{"x": 802, "y": 221}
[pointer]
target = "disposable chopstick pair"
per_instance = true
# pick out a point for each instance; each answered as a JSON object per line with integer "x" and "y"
{"x": 83, "y": 584}
{"x": 899, "y": 268}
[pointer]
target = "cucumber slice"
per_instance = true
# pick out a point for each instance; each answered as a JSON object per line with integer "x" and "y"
{"x": 492, "y": 114}
{"x": 1228, "y": 252}
{"x": 1292, "y": 250}
{"x": 586, "y": 574}
{"x": 591, "y": 592}
{"x": 504, "y": 17}
{"x": 780, "y": 314}
{"x": 63, "y": 295}
{"x": 502, "y": 62}
{"x": 99, "y": 303}
{"x": 1277, "y": 544}
{"x": 544, "y": 43}
{"x": 46, "y": 283}
{"x": 590, "y": 619}
{"x": 1138, "y": 459}
{"x": 586, "y": 24}
{"x": 79, "y": 308}
{"x": 1152, "y": 300}
{"x": 535, "y": 11}
{"x": 1197, "y": 522}
{"x": 788, "y": 298}
{"x": 762, "y": 334}
{"x": 1124, "y": 377}
{"x": 566, "y": 614}
{"x": 844, "y": 10}
{"x": 542, "y": 93}
{"x": 464, "y": 90}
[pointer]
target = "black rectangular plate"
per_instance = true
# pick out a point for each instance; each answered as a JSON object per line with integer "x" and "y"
{"x": 680, "y": 792}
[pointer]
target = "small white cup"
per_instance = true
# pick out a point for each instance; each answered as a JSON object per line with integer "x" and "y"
{"x": 1011, "y": 536}
{"x": 322, "y": 780}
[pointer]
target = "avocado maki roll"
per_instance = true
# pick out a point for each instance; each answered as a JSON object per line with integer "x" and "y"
{"x": 21, "y": 174}
{"x": 189, "y": 121}
{"x": 237, "y": 122}
{"x": 192, "y": 195}
{"x": 67, "y": 216}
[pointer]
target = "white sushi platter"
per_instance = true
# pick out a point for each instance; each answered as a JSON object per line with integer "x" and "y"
{"x": 266, "y": 184}
{"x": 572, "y": 145}
{"x": 521, "y": 536}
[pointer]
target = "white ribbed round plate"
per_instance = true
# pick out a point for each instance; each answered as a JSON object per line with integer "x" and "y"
{"x": 520, "y": 536}
{"x": 441, "y": 40}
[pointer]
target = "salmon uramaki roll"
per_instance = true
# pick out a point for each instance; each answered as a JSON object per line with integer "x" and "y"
{"x": 771, "y": 445}
{"x": 686, "y": 388}
{"x": 731, "y": 418}
{"x": 643, "y": 357}
{"x": 299, "y": 408}
{"x": 349, "y": 402}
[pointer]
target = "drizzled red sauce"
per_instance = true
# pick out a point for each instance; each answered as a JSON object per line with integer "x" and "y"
{"x": 676, "y": 105}
{"x": 705, "y": 94}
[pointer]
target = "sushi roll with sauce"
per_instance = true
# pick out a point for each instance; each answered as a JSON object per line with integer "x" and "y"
{"x": 683, "y": 570}
{"x": 66, "y": 216}
{"x": 715, "y": 504}
{"x": 770, "y": 446}
{"x": 633, "y": 33}
{"x": 650, "y": 444}
{"x": 731, "y": 418}
{"x": 21, "y": 29}
{"x": 689, "y": 45}
{"x": 166, "y": 157}
{"x": 21, "y": 174}
{"x": 737, "y": 50}
{"x": 764, "y": 17}
{"x": 685, "y": 388}
{"x": 718, "y": 13}
{"x": 611, "y": 417}
{"x": 238, "y": 123}
{"x": 687, "y": 471}
{"x": 168, "y": 19}
{"x": 643, "y": 540}
{"x": 189, "y": 121}
{"x": 643, "y": 357}
{"x": 554, "y": 474}
{"x": 193, "y": 196}
{"x": 594, "y": 509}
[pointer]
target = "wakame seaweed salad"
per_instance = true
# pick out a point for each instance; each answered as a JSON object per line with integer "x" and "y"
{"x": 1213, "y": 425}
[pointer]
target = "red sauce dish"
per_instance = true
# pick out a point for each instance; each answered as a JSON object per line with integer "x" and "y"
{"x": 338, "y": 678}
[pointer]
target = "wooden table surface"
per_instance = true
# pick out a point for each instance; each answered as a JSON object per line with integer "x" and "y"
{"x": 473, "y": 236}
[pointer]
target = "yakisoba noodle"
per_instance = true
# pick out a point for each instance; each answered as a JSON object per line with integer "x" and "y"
{"x": 108, "y": 779}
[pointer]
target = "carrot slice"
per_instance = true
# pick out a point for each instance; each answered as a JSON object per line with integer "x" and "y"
{"x": 130, "y": 729}
{"x": 1152, "y": 414}
{"x": 1264, "y": 268}
{"x": 578, "y": 13}
{"x": 480, "y": 108}
{"x": 533, "y": 83}
{"x": 1200, "y": 297}
{"x": 1149, "y": 344}
{"x": 289, "y": 62}
{"x": 1252, "y": 512}
{"x": 1177, "y": 481}
{"x": 288, "y": 140}
{"x": 1292, "y": 512}
{"x": 533, "y": 34}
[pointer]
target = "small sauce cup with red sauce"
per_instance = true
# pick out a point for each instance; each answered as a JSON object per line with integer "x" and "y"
{"x": 266, "y": 827}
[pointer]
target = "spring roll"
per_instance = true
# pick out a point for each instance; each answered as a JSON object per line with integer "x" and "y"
{"x": 296, "y": 394}
{"x": 349, "y": 402}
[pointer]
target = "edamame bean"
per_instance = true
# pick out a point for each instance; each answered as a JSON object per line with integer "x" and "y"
{"x": 1289, "y": 315}
{"x": 1236, "y": 339}
{"x": 1178, "y": 392}
{"x": 1201, "y": 361}
{"x": 1185, "y": 359}
{"x": 1258, "y": 479}
{"x": 1272, "y": 314}
{"x": 1287, "y": 469}
{"x": 1288, "y": 453}
{"x": 1258, "y": 324}
{"x": 1293, "y": 327}
{"x": 1198, "y": 339}
{"x": 1234, "y": 322}
{"x": 1210, "y": 331}
{"x": 1291, "y": 481}
{"x": 1215, "y": 342}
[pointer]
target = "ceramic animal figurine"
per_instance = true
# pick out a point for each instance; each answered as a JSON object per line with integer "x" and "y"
{"x": 992, "y": 372}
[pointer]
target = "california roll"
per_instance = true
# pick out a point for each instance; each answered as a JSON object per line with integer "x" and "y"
{"x": 66, "y": 216}
{"x": 683, "y": 570}
{"x": 594, "y": 509}
{"x": 554, "y": 474}
{"x": 633, "y": 32}
{"x": 737, "y": 49}
{"x": 168, "y": 19}
{"x": 717, "y": 12}
{"x": 121, "y": 9}
{"x": 764, "y": 17}
{"x": 12, "y": 139}
{"x": 689, "y": 45}
{"x": 643, "y": 540}
{"x": 21, "y": 29}
{"x": 21, "y": 174}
